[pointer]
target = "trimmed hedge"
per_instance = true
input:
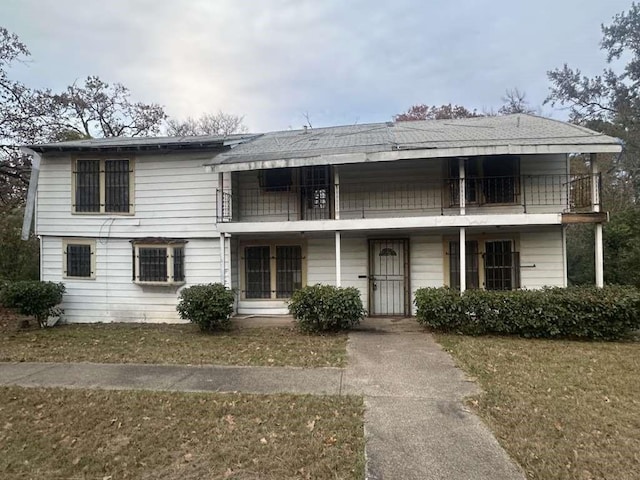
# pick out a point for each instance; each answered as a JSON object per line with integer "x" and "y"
{"x": 318, "y": 308}
{"x": 33, "y": 298}
{"x": 209, "y": 306}
{"x": 575, "y": 312}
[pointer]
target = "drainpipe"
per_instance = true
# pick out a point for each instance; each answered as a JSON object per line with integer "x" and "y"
{"x": 31, "y": 194}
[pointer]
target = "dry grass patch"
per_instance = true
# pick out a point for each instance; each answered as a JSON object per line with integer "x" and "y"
{"x": 173, "y": 344}
{"x": 562, "y": 409}
{"x": 84, "y": 434}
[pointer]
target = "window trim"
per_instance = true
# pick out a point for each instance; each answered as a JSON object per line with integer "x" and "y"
{"x": 272, "y": 244}
{"x": 481, "y": 239}
{"x": 170, "y": 245}
{"x": 78, "y": 241}
{"x": 102, "y": 185}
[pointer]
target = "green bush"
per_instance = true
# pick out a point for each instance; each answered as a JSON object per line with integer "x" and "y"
{"x": 575, "y": 312}
{"x": 319, "y": 308}
{"x": 33, "y": 298}
{"x": 209, "y": 306}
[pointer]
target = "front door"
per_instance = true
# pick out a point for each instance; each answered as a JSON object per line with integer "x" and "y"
{"x": 388, "y": 285}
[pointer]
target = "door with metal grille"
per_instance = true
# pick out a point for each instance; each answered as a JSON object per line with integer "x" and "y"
{"x": 388, "y": 285}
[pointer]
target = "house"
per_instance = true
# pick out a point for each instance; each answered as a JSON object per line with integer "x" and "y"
{"x": 386, "y": 208}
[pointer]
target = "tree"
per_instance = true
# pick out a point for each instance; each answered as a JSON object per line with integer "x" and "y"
{"x": 208, "y": 124}
{"x": 426, "y": 112}
{"x": 515, "y": 101}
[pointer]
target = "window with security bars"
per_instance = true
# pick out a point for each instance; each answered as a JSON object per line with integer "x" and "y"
{"x": 102, "y": 186}
{"x": 159, "y": 263}
{"x": 288, "y": 270}
{"x": 79, "y": 260}
{"x": 471, "y": 267}
{"x": 501, "y": 266}
{"x": 257, "y": 264}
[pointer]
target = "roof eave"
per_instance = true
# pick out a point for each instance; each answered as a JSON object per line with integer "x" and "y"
{"x": 218, "y": 165}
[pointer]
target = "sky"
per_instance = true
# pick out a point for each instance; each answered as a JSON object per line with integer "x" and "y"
{"x": 338, "y": 62}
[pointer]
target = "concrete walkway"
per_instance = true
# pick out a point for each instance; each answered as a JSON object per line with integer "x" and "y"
{"x": 416, "y": 425}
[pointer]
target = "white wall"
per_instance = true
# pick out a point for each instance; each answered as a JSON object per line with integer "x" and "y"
{"x": 542, "y": 248}
{"x": 174, "y": 196}
{"x": 112, "y": 296}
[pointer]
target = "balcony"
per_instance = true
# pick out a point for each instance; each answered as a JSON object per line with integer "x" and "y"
{"x": 416, "y": 198}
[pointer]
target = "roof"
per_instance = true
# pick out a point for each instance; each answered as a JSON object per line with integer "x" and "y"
{"x": 115, "y": 144}
{"x": 518, "y": 133}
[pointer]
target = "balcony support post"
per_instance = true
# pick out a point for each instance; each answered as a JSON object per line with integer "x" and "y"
{"x": 223, "y": 260}
{"x": 463, "y": 259}
{"x": 220, "y": 198}
{"x": 336, "y": 195}
{"x": 599, "y": 256}
{"x": 595, "y": 183}
{"x": 338, "y": 261}
{"x": 462, "y": 188}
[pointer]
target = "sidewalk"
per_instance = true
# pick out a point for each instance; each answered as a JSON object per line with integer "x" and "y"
{"x": 416, "y": 425}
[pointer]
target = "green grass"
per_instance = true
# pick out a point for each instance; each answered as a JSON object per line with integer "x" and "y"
{"x": 562, "y": 409}
{"x": 85, "y": 434}
{"x": 172, "y": 344}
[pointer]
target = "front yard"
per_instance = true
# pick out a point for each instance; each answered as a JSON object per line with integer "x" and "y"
{"x": 93, "y": 434}
{"x": 562, "y": 409}
{"x": 175, "y": 344}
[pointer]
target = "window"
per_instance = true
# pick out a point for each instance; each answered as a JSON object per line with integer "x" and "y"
{"x": 159, "y": 263}
{"x": 275, "y": 180}
{"x": 102, "y": 186}
{"x": 316, "y": 187}
{"x": 493, "y": 261}
{"x": 272, "y": 271}
{"x": 489, "y": 180}
{"x": 79, "y": 259}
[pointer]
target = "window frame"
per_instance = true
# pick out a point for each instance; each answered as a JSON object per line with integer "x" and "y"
{"x": 171, "y": 246}
{"x": 272, "y": 244}
{"x": 82, "y": 242}
{"x": 102, "y": 185}
{"x": 482, "y": 240}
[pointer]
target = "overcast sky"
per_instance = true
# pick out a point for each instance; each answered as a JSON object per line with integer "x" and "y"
{"x": 341, "y": 61}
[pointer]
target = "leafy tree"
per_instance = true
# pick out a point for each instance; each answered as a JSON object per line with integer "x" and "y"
{"x": 209, "y": 124}
{"x": 426, "y": 112}
{"x": 18, "y": 259}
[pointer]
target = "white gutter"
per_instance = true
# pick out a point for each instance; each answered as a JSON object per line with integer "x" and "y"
{"x": 31, "y": 194}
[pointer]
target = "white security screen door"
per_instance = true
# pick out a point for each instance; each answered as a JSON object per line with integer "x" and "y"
{"x": 387, "y": 276}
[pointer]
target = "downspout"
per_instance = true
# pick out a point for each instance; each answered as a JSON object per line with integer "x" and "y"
{"x": 31, "y": 194}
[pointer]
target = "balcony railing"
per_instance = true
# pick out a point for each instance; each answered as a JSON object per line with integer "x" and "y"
{"x": 388, "y": 199}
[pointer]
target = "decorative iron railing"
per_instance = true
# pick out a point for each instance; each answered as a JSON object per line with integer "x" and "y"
{"x": 388, "y": 199}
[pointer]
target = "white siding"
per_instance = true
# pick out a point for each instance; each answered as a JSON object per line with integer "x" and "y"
{"x": 426, "y": 264}
{"x": 112, "y": 296}
{"x": 174, "y": 196}
{"x": 543, "y": 249}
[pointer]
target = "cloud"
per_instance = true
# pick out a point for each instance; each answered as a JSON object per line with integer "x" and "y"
{"x": 341, "y": 62}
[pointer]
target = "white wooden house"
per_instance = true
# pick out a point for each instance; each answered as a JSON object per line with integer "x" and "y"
{"x": 387, "y": 208}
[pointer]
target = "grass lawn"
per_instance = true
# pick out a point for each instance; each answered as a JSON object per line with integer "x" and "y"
{"x": 562, "y": 409}
{"x": 93, "y": 434}
{"x": 176, "y": 344}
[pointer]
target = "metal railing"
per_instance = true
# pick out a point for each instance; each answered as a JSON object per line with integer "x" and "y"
{"x": 389, "y": 199}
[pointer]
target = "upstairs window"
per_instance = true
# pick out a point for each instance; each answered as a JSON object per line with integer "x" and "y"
{"x": 102, "y": 186}
{"x": 79, "y": 259}
{"x": 159, "y": 262}
{"x": 489, "y": 180}
{"x": 275, "y": 180}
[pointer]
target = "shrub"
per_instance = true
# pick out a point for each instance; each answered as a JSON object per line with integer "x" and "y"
{"x": 33, "y": 298}
{"x": 209, "y": 306}
{"x": 319, "y": 308}
{"x": 575, "y": 312}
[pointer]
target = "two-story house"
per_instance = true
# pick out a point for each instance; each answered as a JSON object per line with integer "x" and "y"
{"x": 387, "y": 208}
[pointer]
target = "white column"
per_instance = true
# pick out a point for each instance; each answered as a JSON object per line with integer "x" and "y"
{"x": 223, "y": 262}
{"x": 463, "y": 259}
{"x": 565, "y": 275}
{"x": 338, "y": 262}
{"x": 336, "y": 195}
{"x": 463, "y": 185}
{"x": 599, "y": 257}
{"x": 595, "y": 184}
{"x": 219, "y": 196}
